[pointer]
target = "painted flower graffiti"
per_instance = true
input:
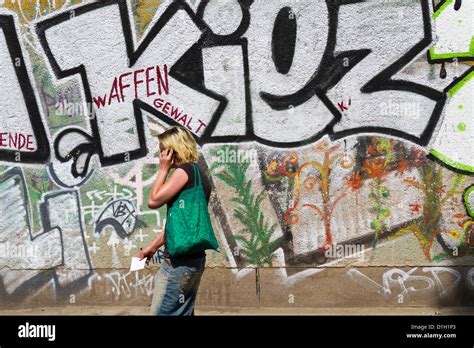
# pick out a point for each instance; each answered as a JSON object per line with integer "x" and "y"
{"x": 329, "y": 156}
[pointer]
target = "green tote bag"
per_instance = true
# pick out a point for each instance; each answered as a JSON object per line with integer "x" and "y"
{"x": 188, "y": 224}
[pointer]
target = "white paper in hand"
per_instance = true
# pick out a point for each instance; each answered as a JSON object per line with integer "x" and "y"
{"x": 137, "y": 264}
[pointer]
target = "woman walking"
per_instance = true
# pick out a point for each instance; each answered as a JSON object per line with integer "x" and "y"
{"x": 178, "y": 280}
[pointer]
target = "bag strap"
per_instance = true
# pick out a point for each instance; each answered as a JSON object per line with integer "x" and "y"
{"x": 196, "y": 176}
{"x": 194, "y": 173}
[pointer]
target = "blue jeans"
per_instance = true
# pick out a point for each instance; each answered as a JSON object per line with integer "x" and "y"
{"x": 176, "y": 286}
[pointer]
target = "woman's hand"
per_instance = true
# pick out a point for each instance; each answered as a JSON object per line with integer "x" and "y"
{"x": 147, "y": 253}
{"x": 166, "y": 159}
{"x": 150, "y": 250}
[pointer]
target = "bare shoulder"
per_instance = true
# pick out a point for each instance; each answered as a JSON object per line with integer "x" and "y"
{"x": 187, "y": 168}
{"x": 180, "y": 174}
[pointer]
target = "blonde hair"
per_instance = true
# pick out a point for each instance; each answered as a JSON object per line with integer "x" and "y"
{"x": 182, "y": 142}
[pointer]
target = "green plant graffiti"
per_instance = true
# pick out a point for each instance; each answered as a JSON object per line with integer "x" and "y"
{"x": 255, "y": 238}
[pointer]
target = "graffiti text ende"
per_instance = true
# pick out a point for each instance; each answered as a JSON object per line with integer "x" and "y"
{"x": 16, "y": 141}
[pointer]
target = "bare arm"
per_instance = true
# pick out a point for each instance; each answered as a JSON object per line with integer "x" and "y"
{"x": 150, "y": 250}
{"x": 161, "y": 191}
{"x": 159, "y": 240}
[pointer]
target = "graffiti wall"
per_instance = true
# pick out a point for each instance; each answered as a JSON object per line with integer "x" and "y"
{"x": 338, "y": 136}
